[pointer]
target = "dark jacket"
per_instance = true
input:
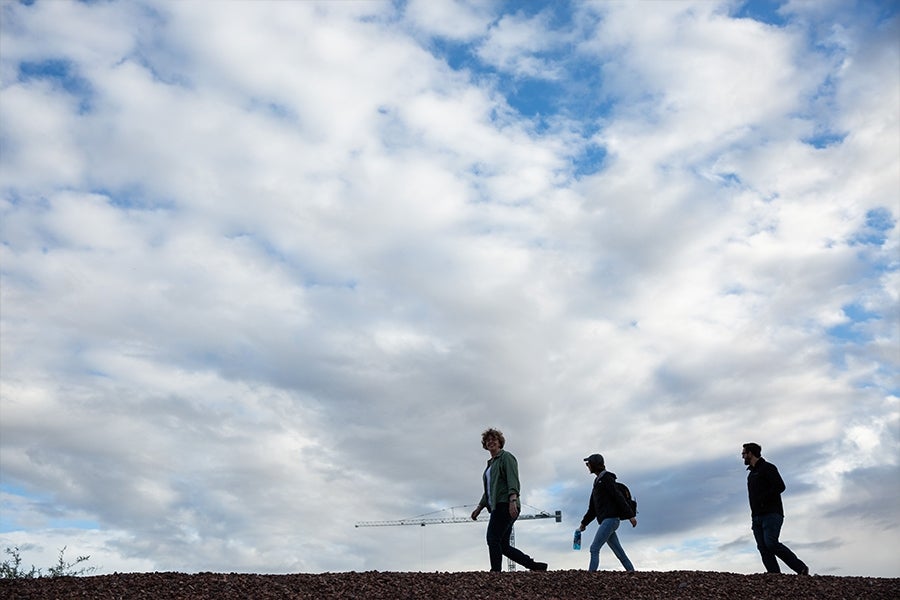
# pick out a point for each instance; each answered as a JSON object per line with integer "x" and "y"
{"x": 764, "y": 486}
{"x": 606, "y": 501}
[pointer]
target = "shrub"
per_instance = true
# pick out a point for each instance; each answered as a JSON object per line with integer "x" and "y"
{"x": 11, "y": 568}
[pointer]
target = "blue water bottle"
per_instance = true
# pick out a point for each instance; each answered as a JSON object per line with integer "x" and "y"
{"x": 576, "y": 542}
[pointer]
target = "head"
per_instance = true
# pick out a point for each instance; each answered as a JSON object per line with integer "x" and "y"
{"x": 751, "y": 453}
{"x": 595, "y": 463}
{"x": 492, "y": 434}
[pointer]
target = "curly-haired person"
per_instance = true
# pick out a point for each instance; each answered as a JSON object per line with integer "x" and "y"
{"x": 501, "y": 498}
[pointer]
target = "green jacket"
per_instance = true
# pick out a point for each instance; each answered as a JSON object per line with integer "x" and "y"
{"x": 504, "y": 480}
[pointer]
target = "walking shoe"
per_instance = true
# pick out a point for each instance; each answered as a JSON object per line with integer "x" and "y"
{"x": 804, "y": 571}
{"x": 539, "y": 566}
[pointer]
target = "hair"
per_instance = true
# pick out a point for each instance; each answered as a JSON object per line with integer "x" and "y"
{"x": 492, "y": 433}
{"x": 753, "y": 448}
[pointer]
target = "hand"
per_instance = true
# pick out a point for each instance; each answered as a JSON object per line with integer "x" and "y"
{"x": 633, "y": 522}
{"x": 475, "y": 513}
{"x": 513, "y": 510}
{"x": 582, "y": 528}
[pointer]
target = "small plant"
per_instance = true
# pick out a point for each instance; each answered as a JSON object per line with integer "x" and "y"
{"x": 67, "y": 569}
{"x": 11, "y": 568}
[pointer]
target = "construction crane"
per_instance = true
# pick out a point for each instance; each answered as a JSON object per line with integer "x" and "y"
{"x": 423, "y": 520}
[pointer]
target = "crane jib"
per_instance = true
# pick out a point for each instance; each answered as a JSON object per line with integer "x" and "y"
{"x": 440, "y": 520}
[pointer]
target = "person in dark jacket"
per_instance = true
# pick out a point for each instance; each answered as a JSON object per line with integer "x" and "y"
{"x": 608, "y": 506}
{"x": 764, "y": 487}
{"x": 501, "y": 497}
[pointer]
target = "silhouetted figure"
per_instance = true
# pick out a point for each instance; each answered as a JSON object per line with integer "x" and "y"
{"x": 764, "y": 486}
{"x": 501, "y": 498}
{"x": 608, "y": 506}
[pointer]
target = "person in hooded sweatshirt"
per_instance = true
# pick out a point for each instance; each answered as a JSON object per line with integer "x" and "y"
{"x": 608, "y": 506}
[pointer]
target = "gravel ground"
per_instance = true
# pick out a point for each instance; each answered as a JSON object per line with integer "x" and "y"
{"x": 375, "y": 585}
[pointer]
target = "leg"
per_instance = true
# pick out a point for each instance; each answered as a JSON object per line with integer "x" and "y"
{"x": 518, "y": 556}
{"x": 510, "y": 551}
{"x": 616, "y": 547}
{"x": 768, "y": 558}
{"x": 771, "y": 531}
{"x": 498, "y": 529}
{"x": 607, "y": 527}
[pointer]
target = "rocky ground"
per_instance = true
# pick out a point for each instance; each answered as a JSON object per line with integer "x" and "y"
{"x": 374, "y": 585}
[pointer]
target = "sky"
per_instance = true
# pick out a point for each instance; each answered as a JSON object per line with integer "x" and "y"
{"x": 268, "y": 269}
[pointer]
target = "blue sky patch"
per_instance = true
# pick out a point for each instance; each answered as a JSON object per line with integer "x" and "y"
{"x": 458, "y": 56}
{"x": 824, "y": 140}
{"x": 61, "y": 73}
{"x": 589, "y": 161}
{"x": 879, "y": 221}
{"x": 851, "y": 331}
{"x": 764, "y": 11}
{"x": 533, "y": 97}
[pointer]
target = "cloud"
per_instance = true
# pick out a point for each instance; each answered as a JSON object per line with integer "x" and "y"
{"x": 460, "y": 20}
{"x": 269, "y": 270}
{"x": 515, "y": 44}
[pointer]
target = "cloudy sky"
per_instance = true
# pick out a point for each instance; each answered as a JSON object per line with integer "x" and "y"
{"x": 270, "y": 268}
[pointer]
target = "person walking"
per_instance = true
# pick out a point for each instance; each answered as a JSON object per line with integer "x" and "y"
{"x": 608, "y": 506}
{"x": 764, "y": 487}
{"x": 501, "y": 497}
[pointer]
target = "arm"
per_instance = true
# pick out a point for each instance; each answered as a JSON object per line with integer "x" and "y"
{"x": 481, "y": 503}
{"x": 512, "y": 484}
{"x": 591, "y": 513}
{"x": 511, "y": 469}
{"x": 773, "y": 484}
{"x": 587, "y": 518}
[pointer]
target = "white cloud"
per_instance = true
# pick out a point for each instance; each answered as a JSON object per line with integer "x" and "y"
{"x": 514, "y": 44}
{"x": 269, "y": 269}
{"x": 457, "y": 20}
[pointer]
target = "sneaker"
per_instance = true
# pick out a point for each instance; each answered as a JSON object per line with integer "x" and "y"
{"x": 539, "y": 566}
{"x": 804, "y": 571}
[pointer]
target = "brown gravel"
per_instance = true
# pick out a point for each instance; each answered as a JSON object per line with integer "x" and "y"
{"x": 375, "y": 585}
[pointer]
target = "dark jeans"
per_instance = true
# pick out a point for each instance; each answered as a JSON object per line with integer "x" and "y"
{"x": 766, "y": 529}
{"x": 498, "y": 530}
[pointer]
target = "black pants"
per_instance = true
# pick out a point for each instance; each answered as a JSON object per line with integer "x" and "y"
{"x": 498, "y": 530}
{"x": 766, "y": 529}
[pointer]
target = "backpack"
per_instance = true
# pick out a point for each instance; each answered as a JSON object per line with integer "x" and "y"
{"x": 626, "y": 493}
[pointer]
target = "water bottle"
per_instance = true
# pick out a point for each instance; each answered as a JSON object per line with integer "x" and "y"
{"x": 576, "y": 542}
